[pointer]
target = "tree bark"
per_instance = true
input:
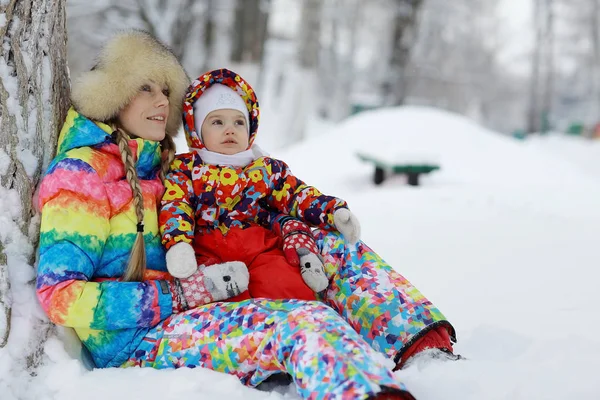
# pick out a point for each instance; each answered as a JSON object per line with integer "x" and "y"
{"x": 309, "y": 33}
{"x": 404, "y": 37}
{"x": 595, "y": 34}
{"x": 251, "y": 18}
{"x": 34, "y": 93}
{"x": 548, "y": 95}
{"x": 209, "y": 39}
{"x": 542, "y": 67}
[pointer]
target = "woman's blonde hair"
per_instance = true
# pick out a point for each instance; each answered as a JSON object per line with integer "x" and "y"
{"x": 137, "y": 258}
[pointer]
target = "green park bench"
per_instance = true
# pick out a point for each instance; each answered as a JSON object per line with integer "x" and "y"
{"x": 412, "y": 170}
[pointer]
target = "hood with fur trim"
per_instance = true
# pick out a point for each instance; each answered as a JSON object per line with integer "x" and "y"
{"x": 129, "y": 60}
{"x": 197, "y": 88}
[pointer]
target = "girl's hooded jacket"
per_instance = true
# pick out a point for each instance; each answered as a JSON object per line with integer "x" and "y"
{"x": 87, "y": 231}
{"x": 202, "y": 198}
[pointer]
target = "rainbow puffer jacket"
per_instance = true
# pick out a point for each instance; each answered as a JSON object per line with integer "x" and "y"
{"x": 200, "y": 198}
{"x": 87, "y": 231}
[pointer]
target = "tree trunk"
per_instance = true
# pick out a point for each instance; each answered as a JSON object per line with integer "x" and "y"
{"x": 534, "y": 107}
{"x": 309, "y": 33}
{"x": 595, "y": 33}
{"x": 169, "y": 21}
{"x": 542, "y": 67}
{"x": 208, "y": 34}
{"x": 308, "y": 44}
{"x": 404, "y": 37}
{"x": 251, "y": 18}
{"x": 336, "y": 73}
{"x": 34, "y": 93}
{"x": 548, "y": 94}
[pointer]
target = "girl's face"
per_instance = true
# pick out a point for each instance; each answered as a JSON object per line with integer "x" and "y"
{"x": 225, "y": 132}
{"x": 146, "y": 115}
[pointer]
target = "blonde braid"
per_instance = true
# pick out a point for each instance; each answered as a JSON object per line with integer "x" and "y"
{"x": 137, "y": 259}
{"x": 168, "y": 146}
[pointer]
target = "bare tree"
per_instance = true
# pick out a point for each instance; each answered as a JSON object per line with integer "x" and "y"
{"x": 309, "y": 33}
{"x": 336, "y": 62}
{"x": 455, "y": 64}
{"x": 180, "y": 24}
{"x": 209, "y": 31}
{"x": 403, "y": 39}
{"x": 219, "y": 31}
{"x": 542, "y": 69}
{"x": 595, "y": 34}
{"x": 34, "y": 90}
{"x": 169, "y": 21}
{"x": 251, "y": 18}
{"x": 354, "y": 32}
{"x": 308, "y": 44}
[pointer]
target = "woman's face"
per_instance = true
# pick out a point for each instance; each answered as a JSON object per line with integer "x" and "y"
{"x": 147, "y": 114}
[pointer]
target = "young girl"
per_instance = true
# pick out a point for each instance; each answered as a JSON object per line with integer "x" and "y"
{"x": 102, "y": 269}
{"x": 216, "y": 199}
{"x": 219, "y": 199}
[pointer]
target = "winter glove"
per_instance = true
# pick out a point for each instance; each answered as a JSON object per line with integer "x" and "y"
{"x": 301, "y": 250}
{"x": 209, "y": 284}
{"x": 181, "y": 260}
{"x": 347, "y": 224}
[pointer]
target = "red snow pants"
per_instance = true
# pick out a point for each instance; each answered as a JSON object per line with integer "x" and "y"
{"x": 271, "y": 276}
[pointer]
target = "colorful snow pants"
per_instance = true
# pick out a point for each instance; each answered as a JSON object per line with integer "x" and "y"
{"x": 328, "y": 356}
{"x": 378, "y": 302}
{"x": 257, "y": 338}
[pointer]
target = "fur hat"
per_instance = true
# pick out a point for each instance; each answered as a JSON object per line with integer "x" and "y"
{"x": 128, "y": 61}
{"x": 218, "y": 97}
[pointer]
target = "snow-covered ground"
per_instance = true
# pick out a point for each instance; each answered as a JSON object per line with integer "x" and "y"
{"x": 502, "y": 239}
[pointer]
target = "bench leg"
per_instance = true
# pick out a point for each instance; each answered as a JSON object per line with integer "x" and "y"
{"x": 379, "y": 175}
{"x": 413, "y": 179}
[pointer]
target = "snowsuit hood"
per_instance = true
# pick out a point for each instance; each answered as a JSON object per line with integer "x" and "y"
{"x": 198, "y": 87}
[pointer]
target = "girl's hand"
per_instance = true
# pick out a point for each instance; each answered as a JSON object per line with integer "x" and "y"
{"x": 181, "y": 260}
{"x": 347, "y": 224}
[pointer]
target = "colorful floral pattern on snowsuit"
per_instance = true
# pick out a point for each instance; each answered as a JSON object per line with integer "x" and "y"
{"x": 201, "y": 197}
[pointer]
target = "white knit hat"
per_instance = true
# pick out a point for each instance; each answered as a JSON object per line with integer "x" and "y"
{"x": 218, "y": 97}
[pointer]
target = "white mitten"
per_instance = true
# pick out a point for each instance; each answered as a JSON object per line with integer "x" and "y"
{"x": 224, "y": 281}
{"x": 347, "y": 224}
{"x": 311, "y": 268}
{"x": 181, "y": 260}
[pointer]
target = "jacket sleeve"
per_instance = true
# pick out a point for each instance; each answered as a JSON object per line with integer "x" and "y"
{"x": 289, "y": 195}
{"x": 176, "y": 217}
{"x": 74, "y": 228}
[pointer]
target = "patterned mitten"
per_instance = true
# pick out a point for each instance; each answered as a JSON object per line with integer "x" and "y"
{"x": 209, "y": 284}
{"x": 301, "y": 250}
{"x": 347, "y": 224}
{"x": 181, "y": 260}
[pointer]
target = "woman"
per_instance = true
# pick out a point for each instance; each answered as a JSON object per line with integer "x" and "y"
{"x": 102, "y": 269}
